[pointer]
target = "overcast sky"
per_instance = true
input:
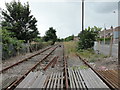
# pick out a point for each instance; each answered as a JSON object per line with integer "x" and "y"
{"x": 65, "y": 15}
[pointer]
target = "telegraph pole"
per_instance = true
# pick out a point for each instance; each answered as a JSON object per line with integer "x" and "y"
{"x": 118, "y": 44}
{"x": 111, "y": 42}
{"x": 104, "y": 33}
{"x": 82, "y": 15}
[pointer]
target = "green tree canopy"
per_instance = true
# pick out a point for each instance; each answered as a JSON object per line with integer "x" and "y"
{"x": 50, "y": 35}
{"x": 17, "y": 19}
{"x": 69, "y": 38}
{"x": 87, "y": 37}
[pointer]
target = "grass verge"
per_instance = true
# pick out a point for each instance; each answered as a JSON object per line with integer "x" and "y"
{"x": 89, "y": 54}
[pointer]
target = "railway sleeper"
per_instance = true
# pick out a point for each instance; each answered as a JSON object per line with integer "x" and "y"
{"x": 8, "y": 82}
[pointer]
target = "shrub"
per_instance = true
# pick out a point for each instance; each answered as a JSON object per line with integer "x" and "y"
{"x": 87, "y": 38}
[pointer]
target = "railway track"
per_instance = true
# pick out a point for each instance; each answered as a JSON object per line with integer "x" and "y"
{"x": 21, "y": 61}
{"x": 54, "y": 71}
{"x": 110, "y": 77}
{"x": 52, "y": 75}
{"x": 19, "y": 70}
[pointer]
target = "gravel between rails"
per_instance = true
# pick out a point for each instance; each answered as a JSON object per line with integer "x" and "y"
{"x": 15, "y": 59}
{"x": 74, "y": 61}
{"x": 21, "y": 68}
{"x": 59, "y": 65}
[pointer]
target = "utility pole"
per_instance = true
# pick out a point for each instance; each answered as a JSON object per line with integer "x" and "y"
{"x": 111, "y": 42}
{"x": 82, "y": 15}
{"x": 104, "y": 34}
{"x": 119, "y": 44}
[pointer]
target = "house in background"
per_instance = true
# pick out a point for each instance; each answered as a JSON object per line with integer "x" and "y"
{"x": 109, "y": 32}
{"x": 116, "y": 34}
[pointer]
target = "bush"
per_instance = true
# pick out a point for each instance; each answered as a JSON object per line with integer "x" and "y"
{"x": 70, "y": 38}
{"x": 10, "y": 44}
{"x": 87, "y": 38}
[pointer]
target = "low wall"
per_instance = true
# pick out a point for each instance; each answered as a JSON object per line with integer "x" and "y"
{"x": 105, "y": 49}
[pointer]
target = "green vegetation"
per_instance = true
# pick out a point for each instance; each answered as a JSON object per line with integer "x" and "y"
{"x": 70, "y": 38}
{"x": 106, "y": 39}
{"x": 6, "y": 39}
{"x": 60, "y": 40}
{"x": 19, "y": 21}
{"x": 19, "y": 32}
{"x": 87, "y": 37}
{"x": 70, "y": 47}
{"x": 88, "y": 54}
{"x": 79, "y": 67}
{"x": 50, "y": 35}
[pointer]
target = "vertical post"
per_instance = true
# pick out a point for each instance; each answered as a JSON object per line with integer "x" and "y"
{"x": 0, "y": 46}
{"x": 28, "y": 46}
{"x": 104, "y": 33}
{"x": 119, "y": 44}
{"x": 111, "y": 42}
{"x": 82, "y": 15}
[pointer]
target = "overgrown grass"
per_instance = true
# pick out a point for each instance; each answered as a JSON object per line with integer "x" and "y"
{"x": 70, "y": 47}
{"x": 89, "y": 54}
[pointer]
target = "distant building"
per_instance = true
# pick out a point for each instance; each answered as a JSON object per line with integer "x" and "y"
{"x": 116, "y": 34}
{"x": 109, "y": 32}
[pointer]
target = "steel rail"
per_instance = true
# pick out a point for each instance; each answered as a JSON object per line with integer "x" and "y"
{"x": 66, "y": 75}
{"x": 13, "y": 85}
{"x": 65, "y": 70}
{"x": 101, "y": 77}
{"x": 53, "y": 64}
{"x": 25, "y": 59}
{"x": 49, "y": 64}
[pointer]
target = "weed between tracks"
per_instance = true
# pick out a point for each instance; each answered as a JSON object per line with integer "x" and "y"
{"x": 70, "y": 48}
{"x": 89, "y": 54}
{"x": 79, "y": 67}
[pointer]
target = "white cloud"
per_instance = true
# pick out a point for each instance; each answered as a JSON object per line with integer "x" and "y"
{"x": 65, "y": 15}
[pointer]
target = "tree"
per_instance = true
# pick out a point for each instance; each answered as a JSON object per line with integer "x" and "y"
{"x": 60, "y": 40}
{"x": 17, "y": 19}
{"x": 50, "y": 35}
{"x": 69, "y": 38}
{"x": 87, "y": 37}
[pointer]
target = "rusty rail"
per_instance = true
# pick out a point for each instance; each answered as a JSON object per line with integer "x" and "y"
{"x": 11, "y": 87}
{"x": 49, "y": 64}
{"x": 66, "y": 75}
{"x": 101, "y": 77}
{"x": 54, "y": 63}
{"x": 23, "y": 60}
{"x": 65, "y": 70}
{"x": 111, "y": 76}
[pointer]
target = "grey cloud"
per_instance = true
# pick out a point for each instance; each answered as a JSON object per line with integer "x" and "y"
{"x": 103, "y": 7}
